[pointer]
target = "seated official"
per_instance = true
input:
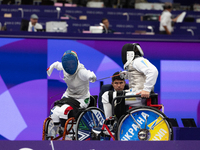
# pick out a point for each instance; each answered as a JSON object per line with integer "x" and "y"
{"x": 117, "y": 84}
{"x": 32, "y": 25}
{"x": 106, "y": 28}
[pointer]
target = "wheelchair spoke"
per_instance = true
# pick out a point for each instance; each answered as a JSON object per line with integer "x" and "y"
{"x": 146, "y": 122}
{"x": 135, "y": 121}
{"x": 93, "y": 119}
{"x": 156, "y": 124}
{"x": 99, "y": 121}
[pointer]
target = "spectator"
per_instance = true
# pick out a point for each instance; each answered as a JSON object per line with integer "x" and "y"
{"x": 166, "y": 20}
{"x": 33, "y": 24}
{"x": 106, "y": 28}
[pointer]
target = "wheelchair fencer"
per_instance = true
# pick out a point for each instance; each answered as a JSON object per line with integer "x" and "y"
{"x": 143, "y": 123}
{"x": 76, "y": 96}
{"x": 78, "y": 127}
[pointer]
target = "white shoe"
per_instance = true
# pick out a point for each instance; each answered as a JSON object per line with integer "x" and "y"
{"x": 53, "y": 131}
{"x": 68, "y": 138}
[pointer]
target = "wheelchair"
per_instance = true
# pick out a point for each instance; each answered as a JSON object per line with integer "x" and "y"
{"x": 79, "y": 128}
{"x": 143, "y": 123}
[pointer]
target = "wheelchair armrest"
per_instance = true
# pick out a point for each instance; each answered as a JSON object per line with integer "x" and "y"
{"x": 93, "y": 100}
{"x": 152, "y": 96}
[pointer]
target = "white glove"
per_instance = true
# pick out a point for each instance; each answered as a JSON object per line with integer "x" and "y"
{"x": 56, "y": 65}
{"x": 123, "y": 74}
{"x": 92, "y": 78}
{"x": 50, "y": 70}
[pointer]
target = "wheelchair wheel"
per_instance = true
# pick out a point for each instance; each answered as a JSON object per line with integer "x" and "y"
{"x": 144, "y": 123}
{"x": 91, "y": 117}
{"x": 47, "y": 126}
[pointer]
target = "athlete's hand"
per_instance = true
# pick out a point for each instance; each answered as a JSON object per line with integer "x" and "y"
{"x": 144, "y": 94}
{"x": 123, "y": 74}
{"x": 49, "y": 70}
{"x": 92, "y": 78}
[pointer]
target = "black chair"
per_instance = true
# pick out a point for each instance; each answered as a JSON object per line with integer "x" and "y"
{"x": 24, "y": 25}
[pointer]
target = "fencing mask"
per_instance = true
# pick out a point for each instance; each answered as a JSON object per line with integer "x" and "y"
{"x": 70, "y": 62}
{"x": 129, "y": 52}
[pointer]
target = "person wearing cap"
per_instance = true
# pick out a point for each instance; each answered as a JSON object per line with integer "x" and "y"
{"x": 77, "y": 95}
{"x": 33, "y": 24}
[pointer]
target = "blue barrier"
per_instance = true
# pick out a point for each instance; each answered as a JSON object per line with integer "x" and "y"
{"x": 115, "y": 37}
{"x": 126, "y": 27}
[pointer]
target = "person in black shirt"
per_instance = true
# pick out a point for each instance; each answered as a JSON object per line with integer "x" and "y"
{"x": 118, "y": 84}
{"x": 106, "y": 28}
